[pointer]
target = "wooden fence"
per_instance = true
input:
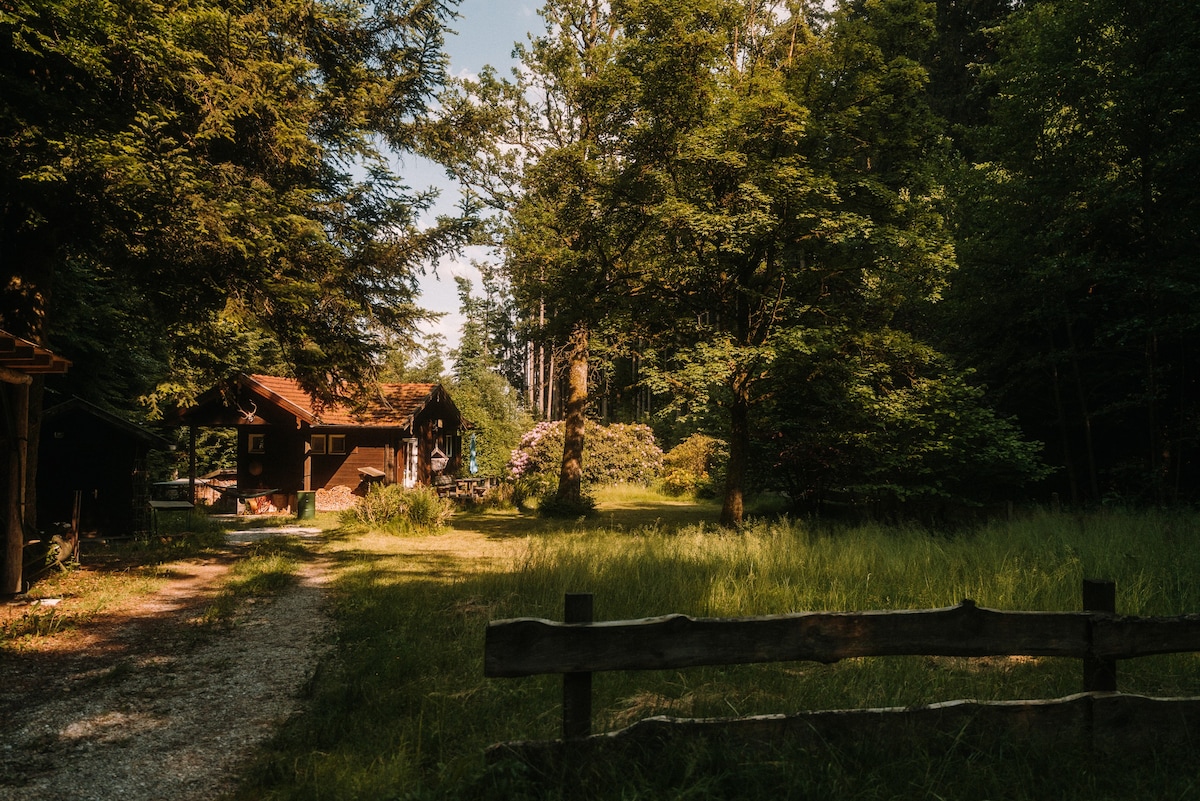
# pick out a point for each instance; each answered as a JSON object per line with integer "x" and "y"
{"x": 579, "y": 647}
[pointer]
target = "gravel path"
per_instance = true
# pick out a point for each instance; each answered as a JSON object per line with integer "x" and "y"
{"x": 144, "y": 706}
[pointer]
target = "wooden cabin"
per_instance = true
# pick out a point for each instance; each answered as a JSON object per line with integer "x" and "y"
{"x": 406, "y": 434}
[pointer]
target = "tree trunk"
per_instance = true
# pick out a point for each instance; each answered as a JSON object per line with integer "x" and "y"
{"x": 570, "y": 478}
{"x": 739, "y": 454}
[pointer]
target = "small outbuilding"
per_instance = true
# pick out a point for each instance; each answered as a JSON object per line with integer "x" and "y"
{"x": 406, "y": 434}
{"x": 92, "y": 469}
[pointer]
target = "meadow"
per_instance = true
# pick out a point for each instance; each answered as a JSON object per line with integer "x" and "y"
{"x": 405, "y": 712}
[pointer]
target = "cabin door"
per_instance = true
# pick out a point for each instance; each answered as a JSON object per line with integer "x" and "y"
{"x": 410, "y": 463}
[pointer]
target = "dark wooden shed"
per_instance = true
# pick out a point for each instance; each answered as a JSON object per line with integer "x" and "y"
{"x": 100, "y": 457}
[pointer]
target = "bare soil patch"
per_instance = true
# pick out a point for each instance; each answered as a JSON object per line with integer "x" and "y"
{"x": 141, "y": 702}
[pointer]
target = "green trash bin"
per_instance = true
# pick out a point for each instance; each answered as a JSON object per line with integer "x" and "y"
{"x": 306, "y": 505}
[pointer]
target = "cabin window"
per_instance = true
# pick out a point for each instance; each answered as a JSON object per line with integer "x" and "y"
{"x": 256, "y": 443}
{"x": 321, "y": 444}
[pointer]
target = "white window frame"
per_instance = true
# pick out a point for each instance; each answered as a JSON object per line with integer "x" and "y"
{"x": 409, "y": 478}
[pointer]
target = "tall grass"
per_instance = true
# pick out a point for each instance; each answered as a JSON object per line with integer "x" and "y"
{"x": 405, "y": 711}
{"x": 265, "y": 570}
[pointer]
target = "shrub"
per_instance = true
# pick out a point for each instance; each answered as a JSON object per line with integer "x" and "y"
{"x": 695, "y": 465}
{"x": 393, "y": 507}
{"x": 613, "y": 454}
{"x": 425, "y": 509}
{"x": 527, "y": 487}
{"x": 550, "y": 505}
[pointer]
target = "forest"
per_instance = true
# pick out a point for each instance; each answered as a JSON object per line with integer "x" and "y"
{"x": 906, "y": 254}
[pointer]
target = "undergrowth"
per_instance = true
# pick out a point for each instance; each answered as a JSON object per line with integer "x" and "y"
{"x": 399, "y": 510}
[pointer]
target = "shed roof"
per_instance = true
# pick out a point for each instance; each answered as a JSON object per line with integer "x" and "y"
{"x": 77, "y": 404}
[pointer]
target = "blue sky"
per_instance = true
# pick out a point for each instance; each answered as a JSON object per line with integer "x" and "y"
{"x": 484, "y": 34}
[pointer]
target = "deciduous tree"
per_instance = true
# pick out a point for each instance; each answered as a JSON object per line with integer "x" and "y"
{"x": 547, "y": 150}
{"x": 1079, "y": 291}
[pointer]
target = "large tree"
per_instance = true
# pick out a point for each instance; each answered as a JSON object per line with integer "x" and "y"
{"x": 210, "y": 167}
{"x": 739, "y": 196}
{"x": 191, "y": 189}
{"x": 547, "y": 151}
{"x": 803, "y": 199}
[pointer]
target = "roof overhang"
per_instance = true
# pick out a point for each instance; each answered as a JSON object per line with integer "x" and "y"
{"x": 300, "y": 412}
{"x": 20, "y": 358}
{"x": 152, "y": 440}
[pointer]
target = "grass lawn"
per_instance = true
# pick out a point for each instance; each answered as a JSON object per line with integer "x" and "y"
{"x": 405, "y": 712}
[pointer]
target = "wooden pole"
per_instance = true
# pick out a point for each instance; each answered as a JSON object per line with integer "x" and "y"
{"x": 192, "y": 463}
{"x": 1099, "y": 675}
{"x": 14, "y": 525}
{"x": 10, "y": 376}
{"x": 577, "y": 687}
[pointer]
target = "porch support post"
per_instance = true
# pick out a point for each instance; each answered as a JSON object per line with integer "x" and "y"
{"x": 306, "y": 445}
{"x": 192, "y": 463}
{"x": 10, "y": 578}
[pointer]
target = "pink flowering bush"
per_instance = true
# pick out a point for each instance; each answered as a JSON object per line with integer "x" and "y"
{"x": 612, "y": 454}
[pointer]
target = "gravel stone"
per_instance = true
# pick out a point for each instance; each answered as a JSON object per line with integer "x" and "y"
{"x": 143, "y": 704}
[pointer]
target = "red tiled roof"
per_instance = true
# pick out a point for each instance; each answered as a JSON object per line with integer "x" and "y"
{"x": 393, "y": 406}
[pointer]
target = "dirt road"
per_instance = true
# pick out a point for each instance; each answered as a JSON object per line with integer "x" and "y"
{"x": 141, "y": 704}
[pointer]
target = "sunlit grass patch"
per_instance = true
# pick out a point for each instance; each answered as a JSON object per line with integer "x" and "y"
{"x": 62, "y": 601}
{"x": 405, "y": 710}
{"x": 37, "y": 622}
{"x": 269, "y": 569}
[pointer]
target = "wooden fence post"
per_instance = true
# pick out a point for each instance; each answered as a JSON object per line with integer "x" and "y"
{"x": 577, "y": 687}
{"x": 1099, "y": 674}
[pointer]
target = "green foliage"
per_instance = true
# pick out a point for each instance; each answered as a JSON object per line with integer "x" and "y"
{"x": 801, "y": 190}
{"x": 695, "y": 466}
{"x": 548, "y": 151}
{"x": 216, "y": 449}
{"x": 491, "y": 404}
{"x": 553, "y": 505}
{"x": 415, "y": 363}
{"x": 394, "y": 508}
{"x": 212, "y": 176}
{"x": 616, "y": 454}
{"x": 485, "y": 397}
{"x": 884, "y": 420}
{"x": 1078, "y": 294}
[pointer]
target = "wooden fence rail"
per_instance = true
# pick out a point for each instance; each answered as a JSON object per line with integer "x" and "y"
{"x": 579, "y": 647}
